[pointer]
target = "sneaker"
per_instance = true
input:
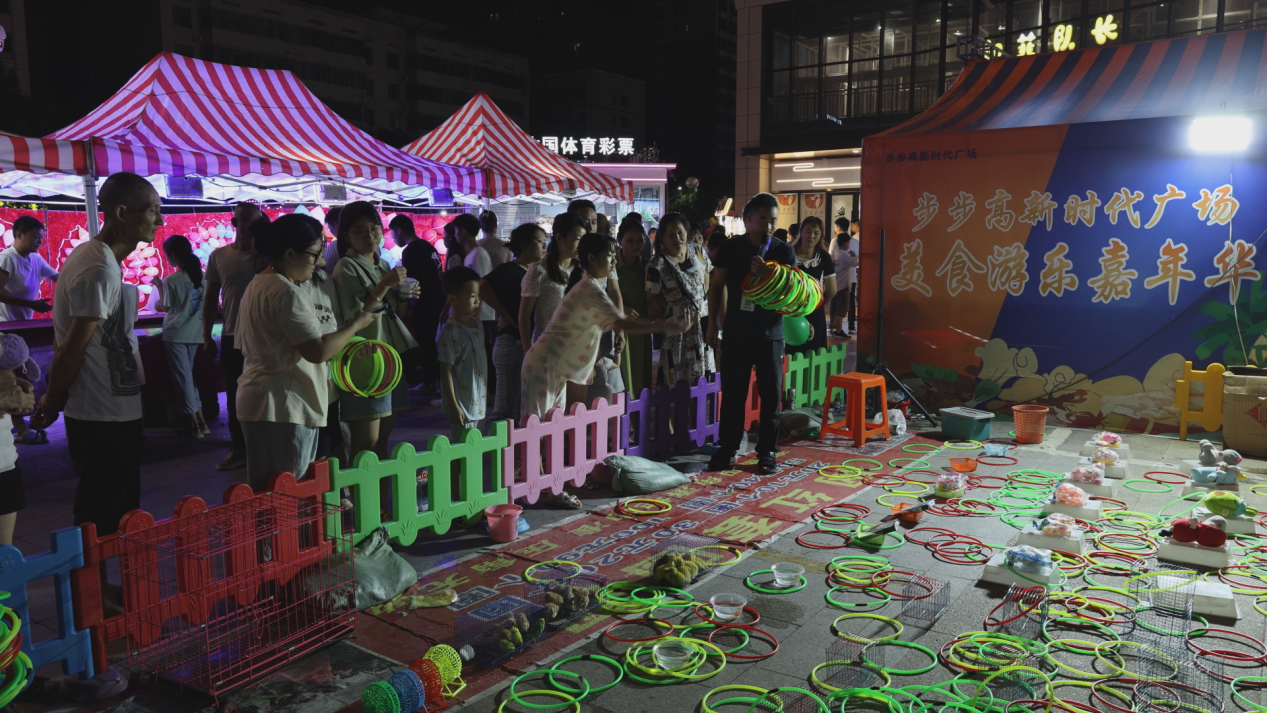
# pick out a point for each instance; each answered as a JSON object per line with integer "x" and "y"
{"x": 204, "y": 428}
{"x": 766, "y": 465}
{"x": 194, "y": 432}
{"x": 839, "y": 334}
{"x": 233, "y": 461}
{"x": 721, "y": 461}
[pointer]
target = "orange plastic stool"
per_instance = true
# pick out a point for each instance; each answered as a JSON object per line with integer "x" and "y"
{"x": 855, "y": 425}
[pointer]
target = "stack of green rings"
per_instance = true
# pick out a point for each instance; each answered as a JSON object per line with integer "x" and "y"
{"x": 786, "y": 290}
{"x": 16, "y": 671}
{"x": 385, "y": 373}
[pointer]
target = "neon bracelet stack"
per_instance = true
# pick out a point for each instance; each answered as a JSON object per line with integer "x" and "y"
{"x": 786, "y": 290}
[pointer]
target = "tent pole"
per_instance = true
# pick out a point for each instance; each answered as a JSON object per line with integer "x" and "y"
{"x": 90, "y": 193}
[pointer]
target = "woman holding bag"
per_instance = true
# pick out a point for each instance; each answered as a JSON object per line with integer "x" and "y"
{"x": 363, "y": 281}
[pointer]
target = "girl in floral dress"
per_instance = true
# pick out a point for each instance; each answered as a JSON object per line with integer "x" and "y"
{"x": 563, "y": 357}
{"x": 677, "y": 286}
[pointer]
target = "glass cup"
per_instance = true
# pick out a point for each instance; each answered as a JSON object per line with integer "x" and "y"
{"x": 407, "y": 288}
{"x": 672, "y": 655}
{"x": 727, "y": 607}
{"x": 786, "y": 574}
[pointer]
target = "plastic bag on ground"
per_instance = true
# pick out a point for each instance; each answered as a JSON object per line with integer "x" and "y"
{"x": 632, "y": 475}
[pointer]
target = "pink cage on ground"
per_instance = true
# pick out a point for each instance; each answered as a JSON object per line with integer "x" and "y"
{"x": 221, "y": 599}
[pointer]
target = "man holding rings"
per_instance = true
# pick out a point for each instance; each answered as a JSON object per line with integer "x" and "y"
{"x": 747, "y": 335}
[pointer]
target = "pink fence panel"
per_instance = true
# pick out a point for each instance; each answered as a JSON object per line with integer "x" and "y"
{"x": 547, "y": 455}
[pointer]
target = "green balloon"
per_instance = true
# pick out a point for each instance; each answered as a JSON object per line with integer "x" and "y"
{"x": 796, "y": 330}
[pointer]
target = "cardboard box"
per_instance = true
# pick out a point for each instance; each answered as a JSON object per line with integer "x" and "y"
{"x": 1245, "y": 411}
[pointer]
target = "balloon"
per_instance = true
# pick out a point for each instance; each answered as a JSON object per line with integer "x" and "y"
{"x": 796, "y": 330}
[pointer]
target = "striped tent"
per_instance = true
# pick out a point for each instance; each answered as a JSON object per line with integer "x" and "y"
{"x": 19, "y": 153}
{"x": 180, "y": 116}
{"x": 481, "y": 136}
{"x": 1177, "y": 77}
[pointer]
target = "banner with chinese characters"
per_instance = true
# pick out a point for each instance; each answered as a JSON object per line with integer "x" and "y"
{"x": 1074, "y": 266}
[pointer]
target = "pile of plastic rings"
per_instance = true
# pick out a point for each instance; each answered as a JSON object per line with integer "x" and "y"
{"x": 385, "y": 368}
{"x": 786, "y": 290}
{"x": 16, "y": 671}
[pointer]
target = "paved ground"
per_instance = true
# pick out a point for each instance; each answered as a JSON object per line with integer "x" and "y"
{"x": 801, "y": 621}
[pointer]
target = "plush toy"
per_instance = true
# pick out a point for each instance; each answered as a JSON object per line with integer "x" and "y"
{"x": 1104, "y": 438}
{"x": 1091, "y": 474}
{"x": 1072, "y": 495}
{"x": 1208, "y": 455}
{"x": 1212, "y": 532}
{"x": 1184, "y": 529}
{"x": 1221, "y": 502}
{"x": 1059, "y": 525}
{"x": 1107, "y": 456}
{"x": 1221, "y": 474}
{"x": 1024, "y": 558}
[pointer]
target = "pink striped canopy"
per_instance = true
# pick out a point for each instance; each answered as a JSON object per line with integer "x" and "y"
{"x": 481, "y": 136}
{"x": 19, "y": 153}
{"x": 181, "y": 116}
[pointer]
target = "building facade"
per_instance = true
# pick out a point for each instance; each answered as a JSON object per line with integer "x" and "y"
{"x": 13, "y": 57}
{"x": 816, "y": 76}
{"x": 590, "y": 103}
{"x": 393, "y": 75}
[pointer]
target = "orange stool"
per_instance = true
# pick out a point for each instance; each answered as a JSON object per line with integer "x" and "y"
{"x": 855, "y": 425}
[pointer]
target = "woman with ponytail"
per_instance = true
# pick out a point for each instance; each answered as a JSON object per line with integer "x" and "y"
{"x": 180, "y": 296}
{"x": 282, "y": 397}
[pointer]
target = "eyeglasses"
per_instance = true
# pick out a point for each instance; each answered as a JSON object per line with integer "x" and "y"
{"x": 315, "y": 256}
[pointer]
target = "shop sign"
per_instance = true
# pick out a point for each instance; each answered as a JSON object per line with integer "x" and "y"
{"x": 604, "y": 146}
{"x": 1104, "y": 31}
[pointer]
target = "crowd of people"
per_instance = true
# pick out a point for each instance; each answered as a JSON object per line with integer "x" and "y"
{"x": 497, "y": 330}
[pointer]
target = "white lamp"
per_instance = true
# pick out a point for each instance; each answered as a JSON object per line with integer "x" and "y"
{"x": 1220, "y": 134}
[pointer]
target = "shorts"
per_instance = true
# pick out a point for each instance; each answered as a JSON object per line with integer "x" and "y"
{"x": 360, "y": 408}
{"x": 12, "y": 494}
{"x": 840, "y": 303}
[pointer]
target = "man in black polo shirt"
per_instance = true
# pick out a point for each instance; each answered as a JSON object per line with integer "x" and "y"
{"x": 753, "y": 335}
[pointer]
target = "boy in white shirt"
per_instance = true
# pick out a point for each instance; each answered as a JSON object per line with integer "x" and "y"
{"x": 22, "y": 269}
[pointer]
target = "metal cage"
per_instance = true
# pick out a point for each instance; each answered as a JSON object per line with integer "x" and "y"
{"x": 221, "y": 599}
{"x": 924, "y": 600}
{"x": 488, "y": 630}
{"x": 845, "y": 666}
{"x": 564, "y": 594}
{"x": 706, "y": 552}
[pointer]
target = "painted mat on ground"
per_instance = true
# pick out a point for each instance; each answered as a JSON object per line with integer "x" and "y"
{"x": 737, "y": 507}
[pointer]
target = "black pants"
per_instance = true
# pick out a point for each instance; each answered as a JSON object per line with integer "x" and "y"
{"x": 739, "y": 356}
{"x": 231, "y": 365}
{"x": 853, "y": 307}
{"x": 107, "y": 458}
{"x": 426, "y": 320}
{"x": 329, "y": 437}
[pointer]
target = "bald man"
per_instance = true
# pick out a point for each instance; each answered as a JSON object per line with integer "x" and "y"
{"x": 94, "y": 377}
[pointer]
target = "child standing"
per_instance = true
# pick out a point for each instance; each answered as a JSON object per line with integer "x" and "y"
{"x": 180, "y": 296}
{"x": 463, "y": 359}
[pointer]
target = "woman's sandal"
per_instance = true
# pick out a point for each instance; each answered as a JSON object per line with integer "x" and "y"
{"x": 569, "y": 500}
{"x": 33, "y": 437}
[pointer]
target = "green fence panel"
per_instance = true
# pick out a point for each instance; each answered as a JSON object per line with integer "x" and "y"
{"x": 472, "y": 459}
{"x": 796, "y": 375}
{"x": 824, "y": 362}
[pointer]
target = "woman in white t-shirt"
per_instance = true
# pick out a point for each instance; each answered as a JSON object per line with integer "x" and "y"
{"x": 282, "y": 393}
{"x": 180, "y": 296}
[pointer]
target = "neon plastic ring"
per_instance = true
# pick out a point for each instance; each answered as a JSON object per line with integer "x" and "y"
{"x": 898, "y": 626}
{"x": 923, "y": 488}
{"x": 748, "y": 582}
{"x": 903, "y": 499}
{"x": 982, "y": 459}
{"x": 888, "y": 574}
{"x": 811, "y": 545}
{"x": 1223, "y": 653}
{"x": 878, "y": 464}
{"x": 902, "y": 672}
{"x": 922, "y": 463}
{"x": 528, "y": 578}
{"x": 1127, "y": 484}
{"x": 873, "y": 479}
{"x": 1241, "y": 698}
{"x": 756, "y": 616}
{"x": 962, "y": 445}
{"x": 752, "y": 629}
{"x": 840, "y": 471}
{"x": 851, "y": 605}
{"x": 543, "y": 692}
{"x": 931, "y": 448}
{"x": 620, "y": 672}
{"x": 539, "y": 706}
{"x": 624, "y": 506}
{"x": 728, "y": 548}
{"x": 607, "y": 633}
{"x": 858, "y": 512}
{"x": 1183, "y": 479}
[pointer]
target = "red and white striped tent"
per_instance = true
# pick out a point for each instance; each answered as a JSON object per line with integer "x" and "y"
{"x": 180, "y": 116}
{"x": 481, "y": 136}
{"x": 40, "y": 167}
